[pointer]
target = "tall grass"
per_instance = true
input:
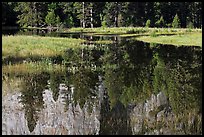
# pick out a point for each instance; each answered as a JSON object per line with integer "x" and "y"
{"x": 32, "y": 46}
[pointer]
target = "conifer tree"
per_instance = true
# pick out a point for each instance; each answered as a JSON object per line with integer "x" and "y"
{"x": 176, "y": 22}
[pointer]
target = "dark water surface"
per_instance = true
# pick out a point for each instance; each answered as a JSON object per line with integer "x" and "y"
{"x": 127, "y": 87}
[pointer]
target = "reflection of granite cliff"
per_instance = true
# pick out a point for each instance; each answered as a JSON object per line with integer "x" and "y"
{"x": 155, "y": 116}
{"x": 52, "y": 119}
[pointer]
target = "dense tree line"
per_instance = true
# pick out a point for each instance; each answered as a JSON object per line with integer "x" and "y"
{"x": 106, "y": 14}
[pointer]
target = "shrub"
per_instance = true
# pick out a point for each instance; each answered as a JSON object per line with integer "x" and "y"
{"x": 148, "y": 23}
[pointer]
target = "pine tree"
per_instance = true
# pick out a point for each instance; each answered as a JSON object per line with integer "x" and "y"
{"x": 176, "y": 22}
{"x": 112, "y": 11}
{"x": 50, "y": 19}
{"x": 79, "y": 8}
{"x": 31, "y": 13}
{"x": 58, "y": 21}
{"x": 69, "y": 21}
{"x": 112, "y": 14}
{"x": 70, "y": 15}
{"x": 160, "y": 22}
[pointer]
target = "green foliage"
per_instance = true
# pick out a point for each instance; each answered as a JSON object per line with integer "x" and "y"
{"x": 169, "y": 25}
{"x": 104, "y": 24}
{"x": 69, "y": 22}
{"x": 31, "y": 13}
{"x": 153, "y": 33}
{"x": 116, "y": 14}
{"x": 148, "y": 23}
{"x": 132, "y": 31}
{"x": 57, "y": 20}
{"x": 51, "y": 18}
{"x": 176, "y": 22}
{"x": 160, "y": 22}
{"x": 52, "y": 6}
{"x": 36, "y": 46}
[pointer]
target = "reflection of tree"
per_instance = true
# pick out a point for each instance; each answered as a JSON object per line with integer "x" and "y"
{"x": 133, "y": 71}
{"x": 128, "y": 72}
{"x": 31, "y": 97}
{"x": 82, "y": 73}
{"x": 127, "y": 80}
{"x": 85, "y": 82}
{"x": 178, "y": 73}
{"x": 87, "y": 57}
{"x": 114, "y": 121}
{"x": 55, "y": 80}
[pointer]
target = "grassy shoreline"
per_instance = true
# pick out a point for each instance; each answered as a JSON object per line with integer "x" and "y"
{"x": 173, "y": 36}
{"x": 23, "y": 46}
{"x": 188, "y": 39}
{"x": 129, "y": 30}
{"x": 39, "y": 48}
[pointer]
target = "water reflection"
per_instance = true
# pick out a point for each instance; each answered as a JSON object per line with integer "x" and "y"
{"x": 129, "y": 87}
{"x": 115, "y": 120}
{"x": 31, "y": 97}
{"x": 179, "y": 74}
{"x": 54, "y": 83}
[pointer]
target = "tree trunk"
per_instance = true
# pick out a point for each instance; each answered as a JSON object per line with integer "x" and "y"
{"x": 35, "y": 14}
{"x": 116, "y": 19}
{"x": 91, "y": 12}
{"x": 116, "y": 15}
{"x": 83, "y": 20}
{"x": 36, "y": 21}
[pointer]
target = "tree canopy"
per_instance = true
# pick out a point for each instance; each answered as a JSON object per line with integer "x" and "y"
{"x": 97, "y": 14}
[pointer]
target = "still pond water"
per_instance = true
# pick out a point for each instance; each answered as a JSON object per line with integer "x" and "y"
{"x": 126, "y": 87}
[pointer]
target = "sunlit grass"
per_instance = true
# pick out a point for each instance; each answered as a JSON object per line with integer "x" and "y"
{"x": 191, "y": 39}
{"x": 28, "y": 46}
{"x": 130, "y": 30}
{"x": 179, "y": 36}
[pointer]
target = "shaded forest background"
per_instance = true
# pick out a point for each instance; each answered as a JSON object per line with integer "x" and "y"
{"x": 102, "y": 14}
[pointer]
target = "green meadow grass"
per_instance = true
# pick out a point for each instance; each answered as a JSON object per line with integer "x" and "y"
{"x": 130, "y": 30}
{"x": 187, "y": 39}
{"x": 28, "y": 46}
{"x": 174, "y": 36}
